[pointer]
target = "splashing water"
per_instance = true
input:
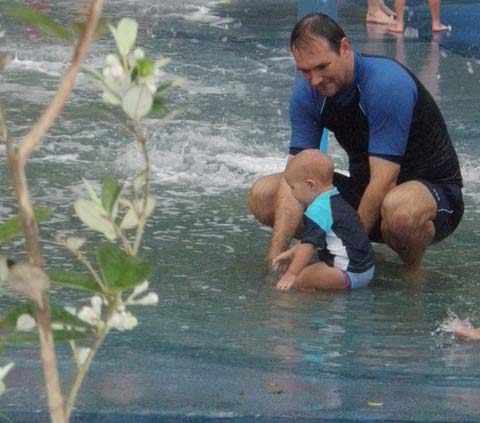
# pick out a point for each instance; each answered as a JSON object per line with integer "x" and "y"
{"x": 455, "y": 326}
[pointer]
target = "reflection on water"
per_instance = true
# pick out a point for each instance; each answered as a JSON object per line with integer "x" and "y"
{"x": 222, "y": 342}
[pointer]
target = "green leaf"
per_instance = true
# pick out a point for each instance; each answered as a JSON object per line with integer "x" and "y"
{"x": 91, "y": 191}
{"x": 164, "y": 86}
{"x": 102, "y": 27}
{"x": 12, "y": 227}
{"x": 43, "y": 23}
{"x": 9, "y": 320}
{"x": 130, "y": 220}
{"x": 119, "y": 270}
{"x": 92, "y": 215}
{"x": 110, "y": 192}
{"x": 125, "y": 35}
{"x": 158, "y": 103}
{"x": 144, "y": 67}
{"x": 68, "y": 335}
{"x": 73, "y": 280}
{"x": 31, "y": 337}
{"x": 58, "y": 314}
{"x": 137, "y": 102}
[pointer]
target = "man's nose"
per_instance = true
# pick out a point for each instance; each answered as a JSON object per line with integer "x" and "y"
{"x": 315, "y": 78}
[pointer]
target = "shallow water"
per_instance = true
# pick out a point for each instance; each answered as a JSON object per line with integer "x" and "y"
{"x": 222, "y": 342}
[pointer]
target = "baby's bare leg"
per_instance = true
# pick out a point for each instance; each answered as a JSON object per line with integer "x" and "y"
{"x": 320, "y": 276}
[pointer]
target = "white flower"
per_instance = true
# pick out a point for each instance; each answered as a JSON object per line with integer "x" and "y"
{"x": 116, "y": 70}
{"x": 111, "y": 59}
{"x": 149, "y": 299}
{"x": 92, "y": 315}
{"x": 139, "y": 289}
{"x": 74, "y": 243}
{"x": 25, "y": 323}
{"x": 3, "y": 372}
{"x": 138, "y": 54}
{"x": 122, "y": 321}
{"x": 71, "y": 310}
{"x": 81, "y": 354}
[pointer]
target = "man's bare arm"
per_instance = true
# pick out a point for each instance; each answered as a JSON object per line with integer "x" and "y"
{"x": 383, "y": 177}
{"x": 286, "y": 221}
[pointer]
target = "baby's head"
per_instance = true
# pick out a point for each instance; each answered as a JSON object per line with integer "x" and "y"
{"x": 308, "y": 174}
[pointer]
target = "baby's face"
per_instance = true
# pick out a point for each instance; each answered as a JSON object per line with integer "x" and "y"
{"x": 302, "y": 191}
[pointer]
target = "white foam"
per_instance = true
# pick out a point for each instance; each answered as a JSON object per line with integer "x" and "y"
{"x": 470, "y": 172}
{"x": 202, "y": 15}
{"x": 452, "y": 324}
{"x": 55, "y": 69}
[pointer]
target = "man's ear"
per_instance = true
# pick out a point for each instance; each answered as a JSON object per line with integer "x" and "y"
{"x": 345, "y": 46}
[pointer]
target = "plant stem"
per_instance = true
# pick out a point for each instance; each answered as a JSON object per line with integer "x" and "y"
{"x": 83, "y": 368}
{"x": 82, "y": 372}
{"x": 139, "y": 137}
{"x": 17, "y": 161}
{"x": 34, "y": 136}
{"x": 82, "y": 259}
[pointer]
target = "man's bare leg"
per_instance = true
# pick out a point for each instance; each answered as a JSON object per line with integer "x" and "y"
{"x": 385, "y": 9}
{"x": 437, "y": 26}
{"x": 376, "y": 15}
{"x": 398, "y": 25}
{"x": 271, "y": 202}
{"x": 408, "y": 212}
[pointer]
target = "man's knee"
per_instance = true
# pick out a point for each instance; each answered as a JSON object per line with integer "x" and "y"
{"x": 406, "y": 213}
{"x": 261, "y": 198}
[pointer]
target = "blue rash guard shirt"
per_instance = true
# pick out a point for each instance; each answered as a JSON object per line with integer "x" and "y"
{"x": 332, "y": 226}
{"x": 385, "y": 113}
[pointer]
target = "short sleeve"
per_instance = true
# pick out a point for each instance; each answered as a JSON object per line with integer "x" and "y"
{"x": 305, "y": 112}
{"x": 390, "y": 107}
{"x": 313, "y": 234}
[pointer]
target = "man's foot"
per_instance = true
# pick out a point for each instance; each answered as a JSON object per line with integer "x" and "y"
{"x": 440, "y": 27}
{"x": 415, "y": 277}
{"x": 379, "y": 17}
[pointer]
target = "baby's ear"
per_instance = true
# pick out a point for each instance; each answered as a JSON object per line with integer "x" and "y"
{"x": 311, "y": 183}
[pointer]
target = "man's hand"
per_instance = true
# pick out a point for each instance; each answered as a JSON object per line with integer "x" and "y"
{"x": 282, "y": 261}
{"x": 286, "y": 281}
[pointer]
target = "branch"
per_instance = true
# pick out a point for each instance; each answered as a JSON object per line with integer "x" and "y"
{"x": 31, "y": 140}
{"x": 17, "y": 160}
{"x": 142, "y": 219}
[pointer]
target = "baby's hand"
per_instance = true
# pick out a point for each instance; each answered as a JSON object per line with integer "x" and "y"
{"x": 286, "y": 282}
{"x": 282, "y": 261}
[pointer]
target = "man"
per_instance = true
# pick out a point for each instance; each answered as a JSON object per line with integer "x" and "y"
{"x": 405, "y": 179}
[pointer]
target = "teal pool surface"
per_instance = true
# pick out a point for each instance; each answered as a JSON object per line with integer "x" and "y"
{"x": 223, "y": 344}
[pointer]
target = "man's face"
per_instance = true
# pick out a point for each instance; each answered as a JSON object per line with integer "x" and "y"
{"x": 325, "y": 69}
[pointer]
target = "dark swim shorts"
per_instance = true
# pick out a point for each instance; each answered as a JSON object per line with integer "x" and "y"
{"x": 448, "y": 197}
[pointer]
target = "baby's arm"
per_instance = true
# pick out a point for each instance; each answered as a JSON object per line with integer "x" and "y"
{"x": 303, "y": 254}
{"x": 283, "y": 260}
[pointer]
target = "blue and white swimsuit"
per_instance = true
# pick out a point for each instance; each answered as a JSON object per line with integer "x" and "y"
{"x": 333, "y": 227}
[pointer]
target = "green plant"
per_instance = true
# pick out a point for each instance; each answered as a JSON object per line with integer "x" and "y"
{"x": 116, "y": 277}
